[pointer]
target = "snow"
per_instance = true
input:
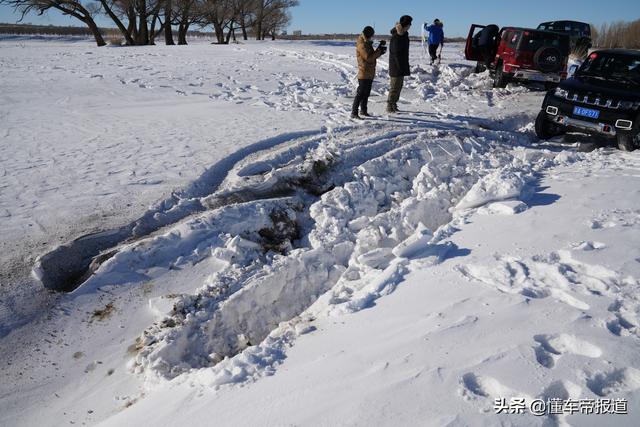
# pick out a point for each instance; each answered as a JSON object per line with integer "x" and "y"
{"x": 265, "y": 260}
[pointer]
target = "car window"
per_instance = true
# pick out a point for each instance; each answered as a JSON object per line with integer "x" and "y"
{"x": 533, "y": 41}
{"x": 514, "y": 38}
{"x": 575, "y": 28}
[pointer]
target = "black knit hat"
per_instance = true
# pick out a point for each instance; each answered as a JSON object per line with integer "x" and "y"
{"x": 368, "y": 31}
{"x": 405, "y": 20}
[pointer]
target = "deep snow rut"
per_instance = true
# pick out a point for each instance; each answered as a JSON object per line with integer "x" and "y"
{"x": 380, "y": 199}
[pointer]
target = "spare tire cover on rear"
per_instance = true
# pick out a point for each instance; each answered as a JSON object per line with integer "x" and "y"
{"x": 547, "y": 59}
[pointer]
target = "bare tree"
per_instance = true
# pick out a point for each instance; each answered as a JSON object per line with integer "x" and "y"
{"x": 186, "y": 13}
{"x": 269, "y": 13}
{"x": 617, "y": 34}
{"x": 632, "y": 35}
{"x": 245, "y": 15}
{"x": 141, "y": 17}
{"x": 276, "y": 21}
{"x": 168, "y": 19}
{"x": 83, "y": 11}
{"x": 219, "y": 14}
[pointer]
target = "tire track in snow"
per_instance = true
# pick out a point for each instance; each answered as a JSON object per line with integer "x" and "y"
{"x": 67, "y": 266}
{"x": 379, "y": 214}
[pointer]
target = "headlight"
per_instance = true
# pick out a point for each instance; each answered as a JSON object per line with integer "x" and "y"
{"x": 561, "y": 93}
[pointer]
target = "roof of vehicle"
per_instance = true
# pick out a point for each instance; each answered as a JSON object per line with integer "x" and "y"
{"x": 533, "y": 30}
{"x": 622, "y": 51}
{"x": 563, "y": 20}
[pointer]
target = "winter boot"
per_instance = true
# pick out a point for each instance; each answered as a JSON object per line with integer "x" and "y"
{"x": 355, "y": 116}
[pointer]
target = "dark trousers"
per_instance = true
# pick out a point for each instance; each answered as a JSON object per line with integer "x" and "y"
{"x": 487, "y": 54}
{"x": 433, "y": 51}
{"x": 395, "y": 87}
{"x": 362, "y": 96}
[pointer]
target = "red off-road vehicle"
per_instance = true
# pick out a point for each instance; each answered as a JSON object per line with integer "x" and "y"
{"x": 519, "y": 54}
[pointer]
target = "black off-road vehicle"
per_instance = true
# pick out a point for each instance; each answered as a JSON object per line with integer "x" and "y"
{"x": 602, "y": 98}
{"x": 579, "y": 33}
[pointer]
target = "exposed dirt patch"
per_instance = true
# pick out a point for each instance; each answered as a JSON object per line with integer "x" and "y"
{"x": 103, "y": 313}
{"x": 281, "y": 236}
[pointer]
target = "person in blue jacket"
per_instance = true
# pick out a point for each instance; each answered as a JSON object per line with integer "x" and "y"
{"x": 436, "y": 38}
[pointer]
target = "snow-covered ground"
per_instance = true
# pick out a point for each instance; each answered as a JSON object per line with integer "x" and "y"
{"x": 264, "y": 260}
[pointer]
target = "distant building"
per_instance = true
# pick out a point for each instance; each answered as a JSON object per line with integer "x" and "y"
{"x": 297, "y": 33}
{"x": 284, "y": 33}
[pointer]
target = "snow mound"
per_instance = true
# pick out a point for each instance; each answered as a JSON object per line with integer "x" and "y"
{"x": 502, "y": 184}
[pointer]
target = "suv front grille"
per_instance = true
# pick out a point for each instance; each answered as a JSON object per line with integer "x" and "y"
{"x": 593, "y": 100}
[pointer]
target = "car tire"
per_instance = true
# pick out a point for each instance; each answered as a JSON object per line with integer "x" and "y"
{"x": 628, "y": 142}
{"x": 548, "y": 59}
{"x": 550, "y": 86}
{"x": 499, "y": 79}
{"x": 545, "y": 129}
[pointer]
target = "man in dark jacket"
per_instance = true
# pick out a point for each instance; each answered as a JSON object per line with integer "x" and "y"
{"x": 367, "y": 58}
{"x": 487, "y": 41}
{"x": 398, "y": 61}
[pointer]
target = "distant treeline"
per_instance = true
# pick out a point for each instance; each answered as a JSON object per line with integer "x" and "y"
{"x": 617, "y": 34}
{"x": 354, "y": 37}
{"x": 114, "y": 33}
{"x": 141, "y": 22}
{"x": 46, "y": 30}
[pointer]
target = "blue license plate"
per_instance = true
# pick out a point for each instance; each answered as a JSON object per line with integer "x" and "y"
{"x": 586, "y": 112}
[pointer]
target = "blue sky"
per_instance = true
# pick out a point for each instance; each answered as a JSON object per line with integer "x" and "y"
{"x": 350, "y": 16}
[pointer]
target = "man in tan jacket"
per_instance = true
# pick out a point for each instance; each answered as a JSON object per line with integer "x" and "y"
{"x": 367, "y": 58}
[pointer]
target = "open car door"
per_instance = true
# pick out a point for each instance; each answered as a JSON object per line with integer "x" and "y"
{"x": 471, "y": 51}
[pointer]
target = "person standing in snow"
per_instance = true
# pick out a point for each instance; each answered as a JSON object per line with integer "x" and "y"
{"x": 398, "y": 61}
{"x": 436, "y": 38}
{"x": 367, "y": 59}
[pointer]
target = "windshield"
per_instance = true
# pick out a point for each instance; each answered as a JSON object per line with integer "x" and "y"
{"x": 621, "y": 67}
{"x": 532, "y": 41}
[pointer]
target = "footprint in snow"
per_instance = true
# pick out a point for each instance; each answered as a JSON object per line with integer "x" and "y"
{"x": 551, "y": 347}
{"x": 588, "y": 246}
{"x": 598, "y": 225}
{"x": 624, "y": 323}
{"x": 478, "y": 386}
{"x": 619, "y": 380}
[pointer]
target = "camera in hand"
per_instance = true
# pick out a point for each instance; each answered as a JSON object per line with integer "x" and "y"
{"x": 382, "y": 46}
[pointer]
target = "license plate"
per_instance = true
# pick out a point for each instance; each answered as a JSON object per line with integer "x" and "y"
{"x": 537, "y": 77}
{"x": 586, "y": 112}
